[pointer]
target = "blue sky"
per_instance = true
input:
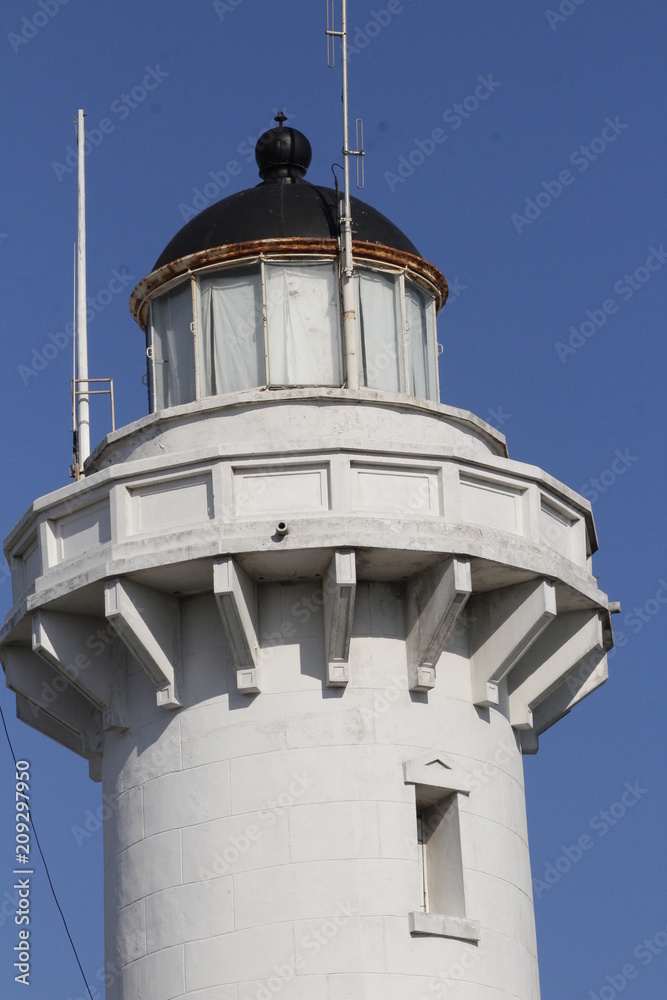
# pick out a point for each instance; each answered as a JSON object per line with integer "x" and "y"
{"x": 520, "y": 145}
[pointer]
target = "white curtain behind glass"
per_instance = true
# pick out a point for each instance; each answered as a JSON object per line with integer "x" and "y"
{"x": 303, "y": 324}
{"x": 231, "y": 333}
{"x": 420, "y": 346}
{"x": 173, "y": 347}
{"x": 381, "y": 347}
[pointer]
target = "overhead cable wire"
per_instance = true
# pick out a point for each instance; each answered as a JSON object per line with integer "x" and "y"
{"x": 46, "y": 867}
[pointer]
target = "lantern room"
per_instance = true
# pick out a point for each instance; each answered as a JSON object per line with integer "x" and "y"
{"x": 247, "y": 294}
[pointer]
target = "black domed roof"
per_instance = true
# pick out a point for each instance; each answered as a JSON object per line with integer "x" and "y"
{"x": 282, "y": 206}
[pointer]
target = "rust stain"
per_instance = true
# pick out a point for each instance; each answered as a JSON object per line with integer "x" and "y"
{"x": 274, "y": 248}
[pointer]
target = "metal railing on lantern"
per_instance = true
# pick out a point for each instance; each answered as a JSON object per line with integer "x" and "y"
{"x": 76, "y": 467}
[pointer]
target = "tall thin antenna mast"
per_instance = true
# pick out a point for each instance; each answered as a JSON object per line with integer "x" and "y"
{"x": 347, "y": 269}
{"x": 81, "y": 384}
{"x": 74, "y": 468}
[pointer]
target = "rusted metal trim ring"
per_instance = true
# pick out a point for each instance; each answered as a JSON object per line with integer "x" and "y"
{"x": 275, "y": 247}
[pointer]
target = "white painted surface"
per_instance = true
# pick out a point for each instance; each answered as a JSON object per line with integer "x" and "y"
{"x": 302, "y": 488}
{"x": 82, "y": 530}
{"x": 278, "y": 833}
{"x": 265, "y": 844}
{"x": 166, "y": 505}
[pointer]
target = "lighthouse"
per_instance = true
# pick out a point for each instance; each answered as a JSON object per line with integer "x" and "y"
{"x": 303, "y": 620}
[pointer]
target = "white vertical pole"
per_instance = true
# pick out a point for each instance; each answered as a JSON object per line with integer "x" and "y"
{"x": 74, "y": 471}
{"x": 83, "y": 399}
{"x": 347, "y": 277}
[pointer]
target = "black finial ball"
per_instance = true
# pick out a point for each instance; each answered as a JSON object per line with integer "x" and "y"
{"x": 283, "y": 154}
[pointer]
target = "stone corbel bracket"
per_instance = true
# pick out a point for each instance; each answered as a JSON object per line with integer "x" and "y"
{"x": 565, "y": 664}
{"x": 589, "y": 675}
{"x": 435, "y": 599}
{"x": 340, "y": 585}
{"x": 48, "y": 702}
{"x": 236, "y": 597}
{"x": 504, "y": 624}
{"x": 80, "y": 649}
{"x": 148, "y": 622}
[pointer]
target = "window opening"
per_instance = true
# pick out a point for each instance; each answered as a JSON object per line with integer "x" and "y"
{"x": 378, "y": 311}
{"x": 420, "y": 340}
{"x": 442, "y": 908}
{"x": 423, "y": 889}
{"x": 173, "y": 347}
{"x": 303, "y": 324}
{"x": 278, "y": 322}
{"x": 231, "y": 342}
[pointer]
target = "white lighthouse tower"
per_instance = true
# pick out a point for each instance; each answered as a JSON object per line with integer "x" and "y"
{"x": 303, "y": 620}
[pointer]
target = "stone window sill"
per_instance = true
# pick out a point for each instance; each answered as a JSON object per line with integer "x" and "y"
{"x": 441, "y": 925}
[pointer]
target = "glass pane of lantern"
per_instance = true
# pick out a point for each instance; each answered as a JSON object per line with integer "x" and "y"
{"x": 378, "y": 310}
{"x": 231, "y": 332}
{"x": 173, "y": 347}
{"x": 303, "y": 324}
{"x": 421, "y": 348}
